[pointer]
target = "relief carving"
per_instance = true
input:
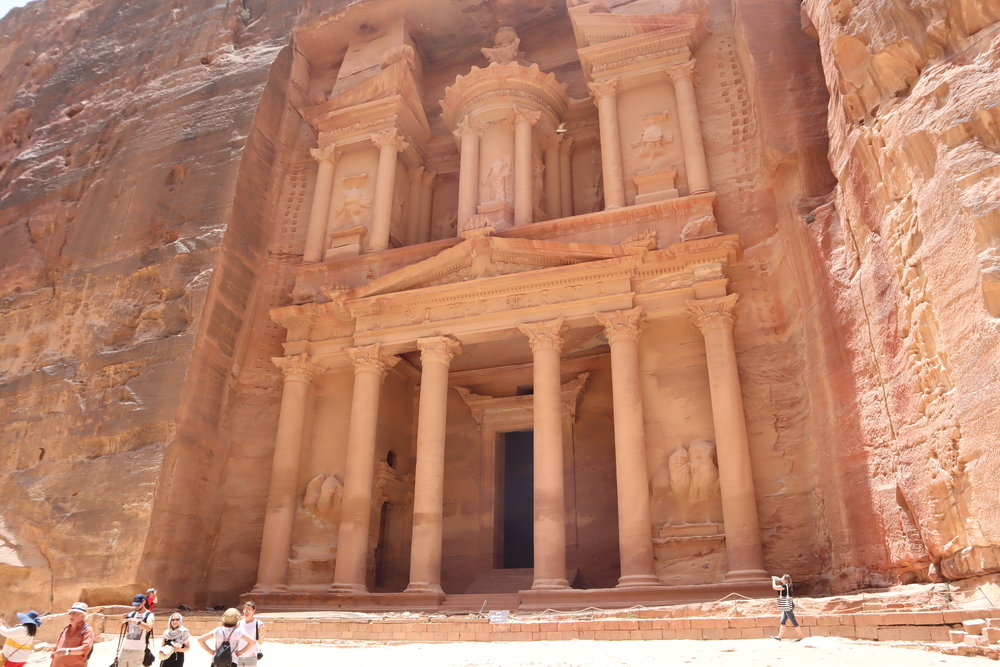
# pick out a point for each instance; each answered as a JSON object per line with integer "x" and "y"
{"x": 497, "y": 181}
{"x": 655, "y": 138}
{"x": 694, "y": 484}
{"x": 505, "y": 49}
{"x": 354, "y": 202}
{"x": 322, "y": 498}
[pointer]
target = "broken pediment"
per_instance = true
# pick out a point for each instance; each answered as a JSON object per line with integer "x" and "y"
{"x": 488, "y": 257}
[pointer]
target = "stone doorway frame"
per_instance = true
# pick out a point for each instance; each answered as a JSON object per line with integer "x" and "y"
{"x": 498, "y": 415}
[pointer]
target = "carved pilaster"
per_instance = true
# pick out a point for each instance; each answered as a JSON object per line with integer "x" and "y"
{"x": 440, "y": 349}
{"x": 297, "y": 367}
{"x": 621, "y": 324}
{"x": 544, "y": 335}
{"x": 718, "y": 313}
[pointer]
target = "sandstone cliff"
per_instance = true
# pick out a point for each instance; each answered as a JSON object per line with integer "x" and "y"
{"x": 145, "y": 233}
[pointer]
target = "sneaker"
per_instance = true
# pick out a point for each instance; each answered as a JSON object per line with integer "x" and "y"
{"x": 799, "y": 639}
{"x": 776, "y": 637}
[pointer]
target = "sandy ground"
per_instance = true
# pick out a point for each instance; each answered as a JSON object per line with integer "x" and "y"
{"x": 812, "y": 651}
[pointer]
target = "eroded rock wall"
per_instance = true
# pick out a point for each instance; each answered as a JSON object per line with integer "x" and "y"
{"x": 904, "y": 266}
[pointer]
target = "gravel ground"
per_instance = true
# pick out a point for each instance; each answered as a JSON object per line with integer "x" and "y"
{"x": 812, "y": 651}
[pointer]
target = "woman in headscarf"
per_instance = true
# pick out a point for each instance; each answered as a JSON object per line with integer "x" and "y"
{"x": 176, "y": 642}
{"x": 20, "y": 638}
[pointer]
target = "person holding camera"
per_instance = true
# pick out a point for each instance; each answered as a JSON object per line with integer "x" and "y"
{"x": 786, "y": 605}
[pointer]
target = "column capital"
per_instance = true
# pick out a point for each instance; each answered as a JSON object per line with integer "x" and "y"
{"x": 369, "y": 359}
{"x": 621, "y": 324}
{"x": 390, "y": 138}
{"x": 718, "y": 313}
{"x": 544, "y": 335}
{"x": 416, "y": 174}
{"x": 328, "y": 153}
{"x": 566, "y": 145}
{"x": 599, "y": 89}
{"x": 522, "y": 115}
{"x": 553, "y": 142}
{"x": 429, "y": 177}
{"x": 466, "y": 127}
{"x": 296, "y": 367}
{"x": 678, "y": 71}
{"x": 438, "y": 349}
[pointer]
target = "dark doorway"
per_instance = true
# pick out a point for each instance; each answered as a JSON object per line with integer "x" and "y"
{"x": 518, "y": 486}
{"x": 380, "y": 547}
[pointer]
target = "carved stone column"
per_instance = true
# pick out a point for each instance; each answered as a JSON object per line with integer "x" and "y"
{"x": 370, "y": 367}
{"x": 428, "y": 493}
{"x": 280, "y": 514}
{"x": 413, "y": 210}
{"x": 553, "y": 183}
{"x": 524, "y": 120}
{"x": 389, "y": 144}
{"x": 468, "y": 171}
{"x": 315, "y": 241}
{"x": 635, "y": 531}
{"x": 566, "y": 176}
{"x": 715, "y": 318}
{"x": 606, "y": 94}
{"x": 549, "y": 496}
{"x": 426, "y": 204}
{"x": 687, "y": 114}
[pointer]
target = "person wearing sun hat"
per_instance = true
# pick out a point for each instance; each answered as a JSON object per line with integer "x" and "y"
{"x": 76, "y": 640}
{"x": 20, "y": 638}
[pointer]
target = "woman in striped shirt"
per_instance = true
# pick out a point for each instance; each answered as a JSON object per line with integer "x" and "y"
{"x": 786, "y": 606}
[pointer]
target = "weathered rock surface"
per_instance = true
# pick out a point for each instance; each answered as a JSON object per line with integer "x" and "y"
{"x": 151, "y": 205}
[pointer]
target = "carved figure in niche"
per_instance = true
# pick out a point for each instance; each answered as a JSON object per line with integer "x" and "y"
{"x": 323, "y": 497}
{"x": 354, "y": 202}
{"x": 505, "y": 48}
{"x": 498, "y": 181}
{"x": 694, "y": 481}
{"x": 654, "y": 139}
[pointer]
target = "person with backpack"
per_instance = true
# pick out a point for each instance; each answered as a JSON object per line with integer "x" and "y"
{"x": 786, "y": 605}
{"x": 20, "y": 639}
{"x": 76, "y": 641}
{"x": 137, "y": 626}
{"x": 251, "y": 627}
{"x": 230, "y": 643}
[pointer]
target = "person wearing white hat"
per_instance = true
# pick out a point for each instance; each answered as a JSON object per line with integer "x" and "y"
{"x": 176, "y": 642}
{"x": 20, "y": 638}
{"x": 76, "y": 641}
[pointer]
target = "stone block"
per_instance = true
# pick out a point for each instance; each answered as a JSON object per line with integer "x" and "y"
{"x": 956, "y": 636}
{"x": 992, "y": 634}
{"x": 974, "y": 626}
{"x": 976, "y": 640}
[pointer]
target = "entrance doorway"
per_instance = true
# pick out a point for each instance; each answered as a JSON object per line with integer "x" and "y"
{"x": 516, "y": 484}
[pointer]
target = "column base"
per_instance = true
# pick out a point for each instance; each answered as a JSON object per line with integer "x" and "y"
{"x": 549, "y": 584}
{"x": 264, "y": 589}
{"x": 632, "y": 580}
{"x": 424, "y": 587}
{"x": 348, "y": 588}
{"x": 746, "y": 575}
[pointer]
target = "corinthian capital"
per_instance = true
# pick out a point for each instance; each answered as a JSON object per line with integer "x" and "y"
{"x": 522, "y": 115}
{"x": 441, "y": 349}
{"x": 679, "y": 71}
{"x": 601, "y": 89}
{"x": 369, "y": 359}
{"x": 621, "y": 324}
{"x": 416, "y": 174}
{"x": 718, "y": 313}
{"x": 390, "y": 138}
{"x": 297, "y": 367}
{"x": 544, "y": 335}
{"x": 466, "y": 127}
{"x": 326, "y": 153}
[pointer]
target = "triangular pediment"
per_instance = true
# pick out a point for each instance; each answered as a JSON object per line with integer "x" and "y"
{"x": 489, "y": 257}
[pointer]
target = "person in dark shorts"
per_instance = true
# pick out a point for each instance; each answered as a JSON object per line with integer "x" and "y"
{"x": 786, "y": 605}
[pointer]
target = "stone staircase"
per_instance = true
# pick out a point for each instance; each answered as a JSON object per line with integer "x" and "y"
{"x": 475, "y": 602}
{"x": 502, "y": 581}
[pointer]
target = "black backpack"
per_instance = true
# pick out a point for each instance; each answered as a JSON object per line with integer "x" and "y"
{"x": 224, "y": 653}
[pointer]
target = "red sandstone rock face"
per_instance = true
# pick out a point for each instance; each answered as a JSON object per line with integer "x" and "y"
{"x": 151, "y": 198}
{"x": 906, "y": 259}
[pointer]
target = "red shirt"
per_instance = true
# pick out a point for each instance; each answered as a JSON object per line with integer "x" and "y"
{"x": 73, "y": 638}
